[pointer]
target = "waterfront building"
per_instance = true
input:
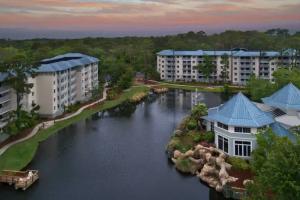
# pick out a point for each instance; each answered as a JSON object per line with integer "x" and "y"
{"x": 7, "y": 100}
{"x": 236, "y": 122}
{"x": 59, "y": 82}
{"x": 181, "y": 65}
{"x": 287, "y": 100}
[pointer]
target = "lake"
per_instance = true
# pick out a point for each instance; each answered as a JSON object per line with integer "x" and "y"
{"x": 117, "y": 155}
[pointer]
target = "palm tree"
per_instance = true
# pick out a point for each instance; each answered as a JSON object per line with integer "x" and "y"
{"x": 199, "y": 111}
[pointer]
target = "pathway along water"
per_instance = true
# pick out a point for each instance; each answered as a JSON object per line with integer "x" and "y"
{"x": 117, "y": 155}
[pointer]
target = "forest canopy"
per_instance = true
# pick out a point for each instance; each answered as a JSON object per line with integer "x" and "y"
{"x": 139, "y": 53}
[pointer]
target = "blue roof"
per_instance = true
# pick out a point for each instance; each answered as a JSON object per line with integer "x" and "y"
{"x": 282, "y": 132}
{"x": 287, "y": 98}
{"x": 240, "y": 53}
{"x": 239, "y": 111}
{"x": 65, "y": 61}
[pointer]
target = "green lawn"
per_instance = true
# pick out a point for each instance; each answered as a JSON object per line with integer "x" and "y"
{"x": 200, "y": 88}
{"x": 20, "y": 155}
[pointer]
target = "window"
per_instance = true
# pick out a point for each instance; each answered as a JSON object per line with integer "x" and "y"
{"x": 223, "y": 126}
{"x": 212, "y": 127}
{"x": 242, "y": 130}
{"x": 223, "y": 143}
{"x": 242, "y": 148}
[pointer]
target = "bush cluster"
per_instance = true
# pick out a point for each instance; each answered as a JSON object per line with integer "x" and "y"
{"x": 239, "y": 163}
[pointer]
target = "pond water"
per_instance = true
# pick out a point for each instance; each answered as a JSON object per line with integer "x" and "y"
{"x": 119, "y": 154}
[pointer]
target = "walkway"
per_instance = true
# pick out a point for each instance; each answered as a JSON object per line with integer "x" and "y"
{"x": 47, "y": 124}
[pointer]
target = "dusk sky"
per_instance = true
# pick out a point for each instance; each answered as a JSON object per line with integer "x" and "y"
{"x": 143, "y": 17}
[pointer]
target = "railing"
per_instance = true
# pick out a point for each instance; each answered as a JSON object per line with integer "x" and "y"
{"x": 4, "y": 89}
{"x": 5, "y": 110}
{"x": 4, "y": 99}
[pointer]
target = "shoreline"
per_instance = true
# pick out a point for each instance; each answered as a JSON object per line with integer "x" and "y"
{"x": 19, "y": 155}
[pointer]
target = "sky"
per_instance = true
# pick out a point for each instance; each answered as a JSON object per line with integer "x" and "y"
{"x": 81, "y": 18}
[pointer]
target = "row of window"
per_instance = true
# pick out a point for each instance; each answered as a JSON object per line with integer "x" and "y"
{"x": 241, "y": 148}
{"x": 236, "y": 129}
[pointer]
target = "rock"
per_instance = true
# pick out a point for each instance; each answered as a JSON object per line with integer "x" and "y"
{"x": 247, "y": 181}
{"x": 178, "y": 132}
{"x": 189, "y": 153}
{"x": 177, "y": 154}
{"x": 219, "y": 188}
{"x": 208, "y": 163}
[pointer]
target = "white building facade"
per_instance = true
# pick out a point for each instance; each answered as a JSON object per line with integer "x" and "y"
{"x": 181, "y": 65}
{"x": 236, "y": 122}
{"x": 8, "y": 100}
{"x": 59, "y": 82}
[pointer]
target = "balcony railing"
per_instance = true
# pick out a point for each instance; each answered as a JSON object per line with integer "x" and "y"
{"x": 4, "y": 99}
{"x": 4, "y": 89}
{"x": 5, "y": 110}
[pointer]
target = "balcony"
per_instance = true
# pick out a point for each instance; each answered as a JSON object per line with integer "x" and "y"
{"x": 4, "y": 99}
{"x": 4, "y": 89}
{"x": 5, "y": 109}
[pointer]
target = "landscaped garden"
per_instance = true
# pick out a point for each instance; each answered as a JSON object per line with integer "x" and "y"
{"x": 271, "y": 173}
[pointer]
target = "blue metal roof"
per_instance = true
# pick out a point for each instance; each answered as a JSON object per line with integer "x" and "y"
{"x": 239, "y": 111}
{"x": 240, "y": 53}
{"x": 282, "y": 132}
{"x": 65, "y": 61}
{"x": 287, "y": 98}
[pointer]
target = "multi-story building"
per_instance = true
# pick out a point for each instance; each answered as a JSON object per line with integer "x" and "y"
{"x": 182, "y": 65}
{"x": 59, "y": 82}
{"x": 236, "y": 122}
{"x": 7, "y": 100}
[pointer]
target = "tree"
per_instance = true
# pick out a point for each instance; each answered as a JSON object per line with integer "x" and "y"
{"x": 207, "y": 67}
{"x": 125, "y": 80}
{"x": 259, "y": 88}
{"x": 19, "y": 67}
{"x": 283, "y": 76}
{"x": 199, "y": 111}
{"x": 224, "y": 76}
{"x": 276, "y": 164}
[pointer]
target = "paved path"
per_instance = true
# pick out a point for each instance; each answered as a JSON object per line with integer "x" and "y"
{"x": 47, "y": 124}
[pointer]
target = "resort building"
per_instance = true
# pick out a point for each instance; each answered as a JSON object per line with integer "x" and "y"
{"x": 7, "y": 100}
{"x": 287, "y": 100}
{"x": 236, "y": 122}
{"x": 181, "y": 65}
{"x": 59, "y": 82}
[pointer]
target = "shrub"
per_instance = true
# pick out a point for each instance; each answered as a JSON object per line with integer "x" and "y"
{"x": 182, "y": 147}
{"x": 113, "y": 93}
{"x": 198, "y": 138}
{"x": 209, "y": 137}
{"x": 239, "y": 163}
{"x": 192, "y": 124}
{"x": 183, "y": 125}
{"x": 184, "y": 165}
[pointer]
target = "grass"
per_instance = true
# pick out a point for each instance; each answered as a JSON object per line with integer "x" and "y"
{"x": 200, "y": 87}
{"x": 20, "y": 155}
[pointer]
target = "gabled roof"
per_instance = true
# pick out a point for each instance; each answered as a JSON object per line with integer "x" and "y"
{"x": 279, "y": 130}
{"x": 65, "y": 61}
{"x": 287, "y": 98}
{"x": 239, "y": 111}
